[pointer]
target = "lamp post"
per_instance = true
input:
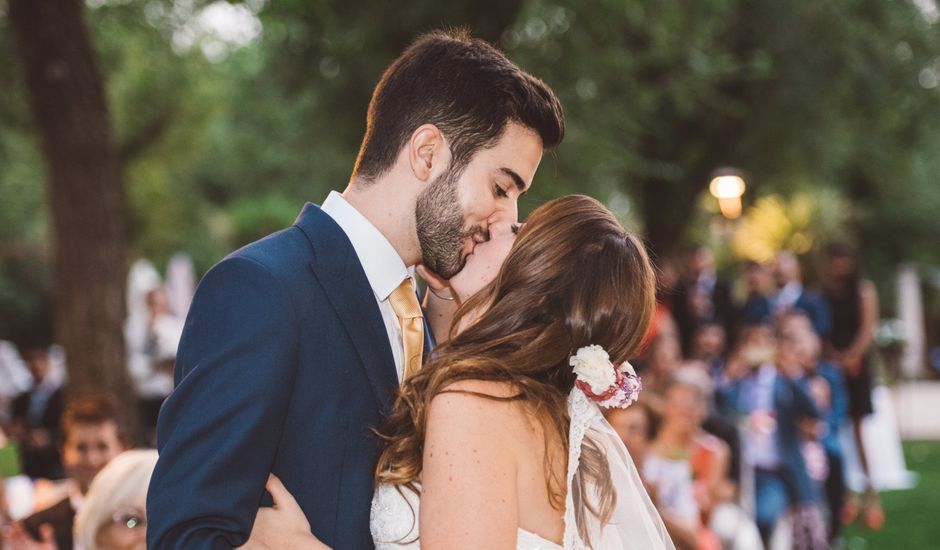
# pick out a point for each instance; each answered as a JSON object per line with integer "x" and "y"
{"x": 727, "y": 185}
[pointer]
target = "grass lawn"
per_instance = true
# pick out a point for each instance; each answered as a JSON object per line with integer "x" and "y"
{"x": 912, "y": 516}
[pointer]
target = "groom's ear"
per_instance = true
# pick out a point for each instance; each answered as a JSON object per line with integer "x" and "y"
{"x": 427, "y": 152}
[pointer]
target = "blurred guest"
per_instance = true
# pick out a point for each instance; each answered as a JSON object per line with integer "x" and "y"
{"x": 809, "y": 530}
{"x": 114, "y": 515}
{"x": 755, "y": 347}
{"x": 701, "y": 297}
{"x": 714, "y": 459}
{"x": 152, "y": 364}
{"x": 14, "y": 379}
{"x": 662, "y": 322}
{"x": 663, "y": 359}
{"x": 685, "y": 495}
{"x": 36, "y": 414}
{"x": 92, "y": 436}
{"x": 854, "y": 303}
{"x": 666, "y": 281}
{"x": 792, "y": 294}
{"x": 636, "y": 426}
{"x": 719, "y": 431}
{"x": 774, "y": 409}
{"x": 759, "y": 285}
{"x": 826, "y": 386}
{"x": 708, "y": 346}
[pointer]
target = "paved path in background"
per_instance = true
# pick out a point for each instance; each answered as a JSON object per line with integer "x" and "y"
{"x": 917, "y": 405}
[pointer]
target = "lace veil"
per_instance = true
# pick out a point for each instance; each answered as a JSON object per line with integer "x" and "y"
{"x": 635, "y": 523}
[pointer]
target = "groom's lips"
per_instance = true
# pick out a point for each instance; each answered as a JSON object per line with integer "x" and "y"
{"x": 476, "y": 239}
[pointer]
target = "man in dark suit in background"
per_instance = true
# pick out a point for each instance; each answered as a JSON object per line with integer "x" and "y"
{"x": 793, "y": 295}
{"x": 701, "y": 297}
{"x": 294, "y": 345}
{"x": 764, "y": 306}
{"x": 35, "y": 415}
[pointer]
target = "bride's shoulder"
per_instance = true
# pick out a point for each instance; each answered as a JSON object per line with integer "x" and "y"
{"x": 471, "y": 433}
{"x": 477, "y": 405}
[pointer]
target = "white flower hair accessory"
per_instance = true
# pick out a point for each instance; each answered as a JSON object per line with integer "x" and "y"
{"x": 603, "y": 382}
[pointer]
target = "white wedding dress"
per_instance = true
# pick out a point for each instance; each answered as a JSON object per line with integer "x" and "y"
{"x": 395, "y": 523}
{"x": 635, "y": 523}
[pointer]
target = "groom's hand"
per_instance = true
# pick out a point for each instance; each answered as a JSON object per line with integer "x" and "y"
{"x": 283, "y": 525}
{"x": 438, "y": 286}
{"x": 440, "y": 304}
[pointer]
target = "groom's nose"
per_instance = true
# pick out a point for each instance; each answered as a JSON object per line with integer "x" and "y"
{"x": 506, "y": 212}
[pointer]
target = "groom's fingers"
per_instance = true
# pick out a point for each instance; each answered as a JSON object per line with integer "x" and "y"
{"x": 433, "y": 280}
{"x": 280, "y": 494}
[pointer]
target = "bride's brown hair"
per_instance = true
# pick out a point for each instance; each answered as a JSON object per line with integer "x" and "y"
{"x": 574, "y": 277}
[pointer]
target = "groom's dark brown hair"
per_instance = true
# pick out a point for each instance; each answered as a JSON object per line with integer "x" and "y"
{"x": 465, "y": 87}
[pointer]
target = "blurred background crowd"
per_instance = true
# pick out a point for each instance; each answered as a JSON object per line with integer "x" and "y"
{"x": 749, "y": 429}
{"x": 779, "y": 158}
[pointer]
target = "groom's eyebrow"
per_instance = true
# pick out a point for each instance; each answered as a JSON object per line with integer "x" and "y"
{"x": 515, "y": 178}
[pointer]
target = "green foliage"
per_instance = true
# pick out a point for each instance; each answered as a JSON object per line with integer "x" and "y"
{"x": 799, "y": 224}
{"x": 821, "y": 99}
{"x": 797, "y": 94}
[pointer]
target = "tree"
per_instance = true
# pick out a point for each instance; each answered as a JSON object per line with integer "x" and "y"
{"x": 798, "y": 94}
{"x": 84, "y": 191}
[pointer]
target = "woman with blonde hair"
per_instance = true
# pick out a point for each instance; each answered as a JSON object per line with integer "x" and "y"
{"x": 113, "y": 516}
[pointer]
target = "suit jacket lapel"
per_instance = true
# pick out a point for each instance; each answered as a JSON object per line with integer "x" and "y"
{"x": 339, "y": 272}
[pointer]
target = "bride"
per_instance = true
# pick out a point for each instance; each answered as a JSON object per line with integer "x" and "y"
{"x": 500, "y": 438}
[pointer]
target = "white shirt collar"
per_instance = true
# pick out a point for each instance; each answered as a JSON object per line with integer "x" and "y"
{"x": 790, "y": 293}
{"x": 384, "y": 268}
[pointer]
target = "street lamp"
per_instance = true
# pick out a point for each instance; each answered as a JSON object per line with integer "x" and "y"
{"x": 727, "y": 186}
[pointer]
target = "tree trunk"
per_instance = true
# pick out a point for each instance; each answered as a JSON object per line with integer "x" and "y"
{"x": 84, "y": 193}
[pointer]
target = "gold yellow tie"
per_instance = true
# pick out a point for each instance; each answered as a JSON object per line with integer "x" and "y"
{"x": 405, "y": 304}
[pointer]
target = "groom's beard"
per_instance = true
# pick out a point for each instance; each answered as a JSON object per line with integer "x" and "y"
{"x": 439, "y": 222}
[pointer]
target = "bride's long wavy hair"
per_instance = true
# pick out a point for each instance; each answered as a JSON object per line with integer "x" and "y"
{"x": 574, "y": 277}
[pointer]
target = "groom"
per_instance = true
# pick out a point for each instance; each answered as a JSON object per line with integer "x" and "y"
{"x": 295, "y": 344}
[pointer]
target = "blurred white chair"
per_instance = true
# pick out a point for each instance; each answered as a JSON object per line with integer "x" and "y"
{"x": 883, "y": 445}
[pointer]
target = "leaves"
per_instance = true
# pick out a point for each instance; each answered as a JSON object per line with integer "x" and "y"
{"x": 820, "y": 103}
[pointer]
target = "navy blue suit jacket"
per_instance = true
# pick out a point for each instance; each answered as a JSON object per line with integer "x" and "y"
{"x": 760, "y": 309}
{"x": 284, "y": 367}
{"x": 817, "y": 308}
{"x": 838, "y": 409}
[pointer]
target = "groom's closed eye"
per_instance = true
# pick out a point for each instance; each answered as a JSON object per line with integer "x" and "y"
{"x": 516, "y": 179}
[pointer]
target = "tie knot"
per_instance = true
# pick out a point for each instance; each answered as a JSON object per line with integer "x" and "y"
{"x": 404, "y": 301}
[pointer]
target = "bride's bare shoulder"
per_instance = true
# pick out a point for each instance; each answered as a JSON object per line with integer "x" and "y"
{"x": 469, "y": 469}
{"x": 478, "y": 406}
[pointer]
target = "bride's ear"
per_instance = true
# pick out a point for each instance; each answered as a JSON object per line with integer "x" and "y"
{"x": 428, "y": 153}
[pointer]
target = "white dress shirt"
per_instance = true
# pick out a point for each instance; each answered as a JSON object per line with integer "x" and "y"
{"x": 761, "y": 438}
{"x": 788, "y": 296}
{"x": 384, "y": 268}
